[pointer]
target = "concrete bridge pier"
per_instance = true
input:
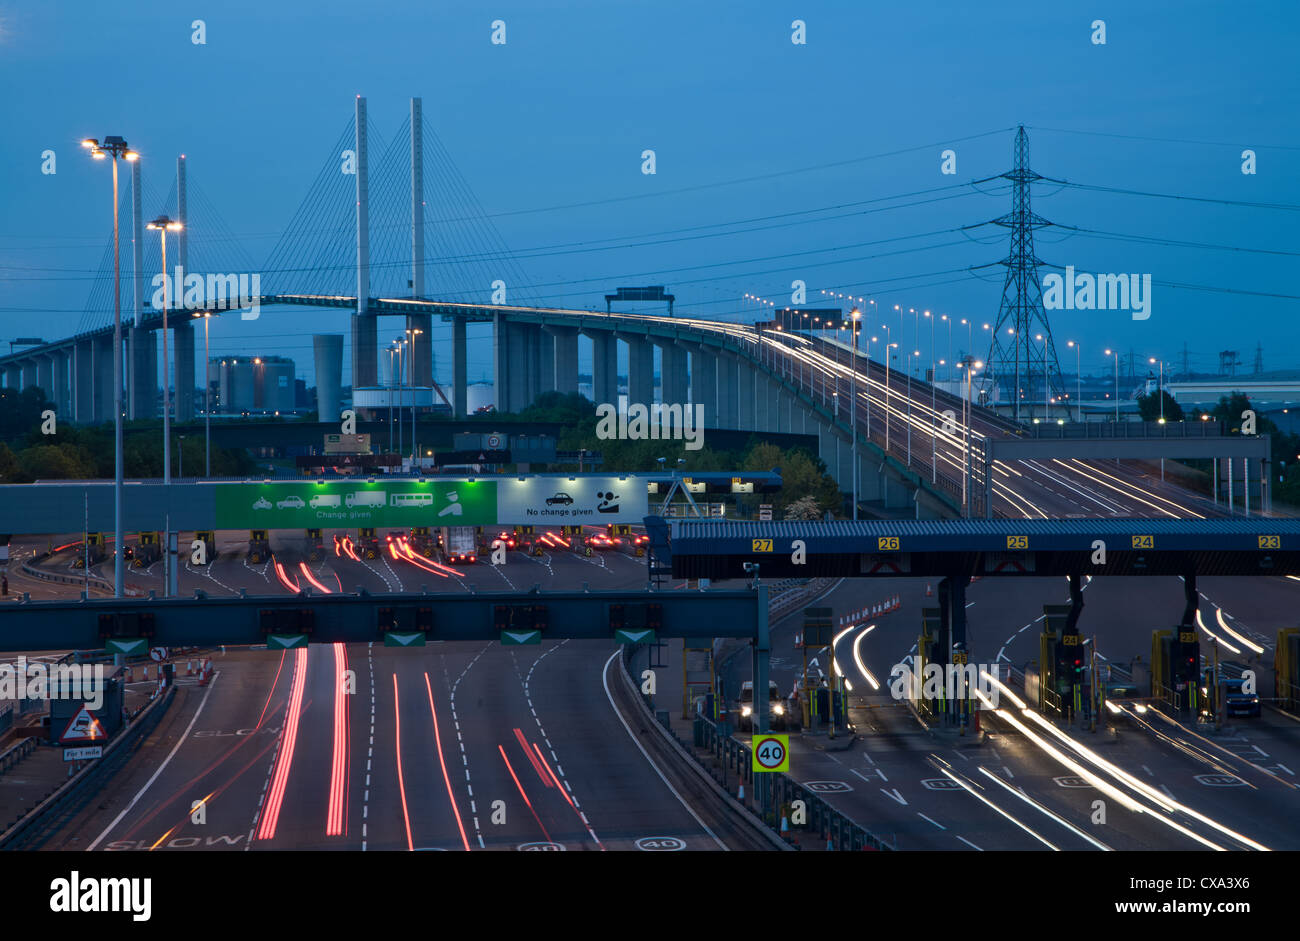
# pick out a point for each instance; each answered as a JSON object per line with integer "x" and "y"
{"x": 704, "y": 384}
{"x": 640, "y": 371}
{"x": 422, "y": 362}
{"x": 59, "y": 363}
{"x": 29, "y": 374}
{"x": 747, "y": 405}
{"x": 83, "y": 382}
{"x": 45, "y": 376}
{"x": 545, "y": 359}
{"x": 183, "y": 337}
{"x": 14, "y": 377}
{"x": 143, "y": 374}
{"x": 604, "y": 367}
{"x": 528, "y": 337}
{"x": 564, "y": 342}
{"x": 511, "y": 364}
{"x": 102, "y": 380}
{"x": 672, "y": 373}
{"x": 459, "y": 368}
{"x": 727, "y": 392}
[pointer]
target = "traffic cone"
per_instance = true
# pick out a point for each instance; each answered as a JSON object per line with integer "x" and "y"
{"x": 740, "y": 794}
{"x": 129, "y": 678}
{"x": 189, "y": 667}
{"x": 785, "y": 826}
{"x": 830, "y": 846}
{"x": 929, "y": 592}
{"x": 145, "y": 677}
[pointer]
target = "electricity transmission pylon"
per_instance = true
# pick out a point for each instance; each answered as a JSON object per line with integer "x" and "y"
{"x": 1019, "y": 361}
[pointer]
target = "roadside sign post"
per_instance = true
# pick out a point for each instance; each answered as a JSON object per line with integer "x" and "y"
{"x": 762, "y": 650}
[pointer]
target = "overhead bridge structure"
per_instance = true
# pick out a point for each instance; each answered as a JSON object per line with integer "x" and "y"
{"x": 970, "y": 548}
{"x": 899, "y": 444}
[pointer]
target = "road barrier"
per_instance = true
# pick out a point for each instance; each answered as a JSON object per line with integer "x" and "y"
{"x": 36, "y": 826}
{"x": 774, "y": 793}
{"x": 16, "y": 753}
{"x": 128, "y": 589}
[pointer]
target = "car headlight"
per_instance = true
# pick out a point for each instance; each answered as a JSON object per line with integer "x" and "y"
{"x": 778, "y": 709}
{"x": 745, "y": 710}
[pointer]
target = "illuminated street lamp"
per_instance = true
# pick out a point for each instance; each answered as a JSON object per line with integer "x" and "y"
{"x": 115, "y": 147}
{"x": 415, "y": 450}
{"x": 164, "y": 225}
{"x": 970, "y": 364}
{"x": 1078, "y": 359}
{"x": 205, "y": 316}
{"x": 1115, "y": 353}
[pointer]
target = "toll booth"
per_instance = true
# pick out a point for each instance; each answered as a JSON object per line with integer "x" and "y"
{"x": 1176, "y": 668}
{"x": 368, "y": 543}
{"x": 208, "y": 538}
{"x": 818, "y": 632}
{"x": 421, "y": 541}
{"x": 148, "y": 551}
{"x": 94, "y": 548}
{"x": 698, "y": 675}
{"x": 621, "y": 533}
{"x": 929, "y": 649}
{"x": 524, "y": 540}
{"x": 1286, "y": 669}
{"x": 315, "y": 546}
{"x": 259, "y": 546}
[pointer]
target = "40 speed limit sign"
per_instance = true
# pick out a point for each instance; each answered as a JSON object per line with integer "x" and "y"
{"x": 771, "y": 753}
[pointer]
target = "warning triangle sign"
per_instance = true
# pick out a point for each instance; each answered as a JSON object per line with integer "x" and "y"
{"x": 84, "y": 727}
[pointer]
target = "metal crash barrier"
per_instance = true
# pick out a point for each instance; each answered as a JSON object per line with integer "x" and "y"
{"x": 774, "y": 794}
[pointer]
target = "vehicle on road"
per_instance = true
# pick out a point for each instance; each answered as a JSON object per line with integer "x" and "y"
{"x": 560, "y": 499}
{"x": 291, "y": 502}
{"x": 780, "y": 713}
{"x": 1236, "y": 702}
{"x": 459, "y": 545}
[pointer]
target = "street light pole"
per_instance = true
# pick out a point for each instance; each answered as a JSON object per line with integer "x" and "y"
{"x": 207, "y": 396}
{"x": 162, "y": 224}
{"x": 1115, "y": 353}
{"x": 1078, "y": 376}
{"x": 415, "y": 448}
{"x": 888, "y": 346}
{"x": 853, "y": 405}
{"x": 116, "y": 147}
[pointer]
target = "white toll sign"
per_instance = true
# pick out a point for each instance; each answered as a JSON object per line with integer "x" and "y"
{"x": 557, "y": 499}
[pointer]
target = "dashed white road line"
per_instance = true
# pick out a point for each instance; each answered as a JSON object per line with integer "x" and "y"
{"x": 478, "y": 829}
{"x": 172, "y": 754}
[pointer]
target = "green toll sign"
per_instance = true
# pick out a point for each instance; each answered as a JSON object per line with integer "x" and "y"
{"x": 397, "y": 503}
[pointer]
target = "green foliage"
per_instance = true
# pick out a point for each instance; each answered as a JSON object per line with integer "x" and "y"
{"x": 20, "y": 412}
{"x": 8, "y": 465}
{"x": 805, "y": 508}
{"x": 1149, "y": 407}
{"x": 55, "y": 462}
